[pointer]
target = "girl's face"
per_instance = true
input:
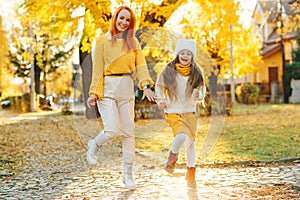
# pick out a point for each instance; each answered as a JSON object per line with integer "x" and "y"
{"x": 123, "y": 20}
{"x": 185, "y": 57}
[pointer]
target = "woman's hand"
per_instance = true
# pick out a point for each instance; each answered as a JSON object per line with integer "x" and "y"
{"x": 91, "y": 101}
{"x": 149, "y": 94}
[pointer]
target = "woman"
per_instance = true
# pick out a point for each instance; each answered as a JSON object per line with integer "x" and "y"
{"x": 178, "y": 88}
{"x": 117, "y": 61}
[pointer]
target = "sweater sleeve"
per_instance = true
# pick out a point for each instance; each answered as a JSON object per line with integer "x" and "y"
{"x": 96, "y": 87}
{"x": 142, "y": 68}
{"x": 159, "y": 90}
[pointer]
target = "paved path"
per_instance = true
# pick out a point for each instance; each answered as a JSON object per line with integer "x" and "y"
{"x": 103, "y": 183}
{"x": 52, "y": 165}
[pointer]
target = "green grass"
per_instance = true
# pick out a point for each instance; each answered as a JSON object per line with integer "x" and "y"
{"x": 252, "y": 132}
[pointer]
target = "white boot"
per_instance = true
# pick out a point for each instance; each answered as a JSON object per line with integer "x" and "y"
{"x": 90, "y": 155}
{"x": 128, "y": 178}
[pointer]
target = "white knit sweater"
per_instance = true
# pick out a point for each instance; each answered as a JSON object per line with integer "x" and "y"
{"x": 183, "y": 104}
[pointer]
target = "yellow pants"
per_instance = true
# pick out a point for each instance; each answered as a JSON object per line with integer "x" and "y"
{"x": 182, "y": 123}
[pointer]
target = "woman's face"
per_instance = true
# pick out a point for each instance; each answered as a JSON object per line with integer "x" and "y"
{"x": 185, "y": 57}
{"x": 123, "y": 20}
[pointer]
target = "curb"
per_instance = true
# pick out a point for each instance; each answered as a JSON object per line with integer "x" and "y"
{"x": 255, "y": 163}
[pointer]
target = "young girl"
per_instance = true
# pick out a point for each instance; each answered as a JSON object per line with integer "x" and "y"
{"x": 117, "y": 60}
{"x": 178, "y": 88}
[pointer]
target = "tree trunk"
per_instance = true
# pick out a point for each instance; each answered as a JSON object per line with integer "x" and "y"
{"x": 45, "y": 88}
{"x": 37, "y": 75}
{"x": 86, "y": 66}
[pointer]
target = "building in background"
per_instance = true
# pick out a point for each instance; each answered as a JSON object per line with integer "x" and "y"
{"x": 267, "y": 21}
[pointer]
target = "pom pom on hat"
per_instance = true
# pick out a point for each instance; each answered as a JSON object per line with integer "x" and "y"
{"x": 187, "y": 44}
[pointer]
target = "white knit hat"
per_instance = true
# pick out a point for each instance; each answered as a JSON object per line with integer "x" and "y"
{"x": 187, "y": 44}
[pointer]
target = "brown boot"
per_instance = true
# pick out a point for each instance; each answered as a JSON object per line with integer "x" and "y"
{"x": 172, "y": 159}
{"x": 190, "y": 177}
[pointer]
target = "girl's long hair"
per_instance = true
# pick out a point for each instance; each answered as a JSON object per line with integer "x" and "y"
{"x": 129, "y": 34}
{"x": 169, "y": 74}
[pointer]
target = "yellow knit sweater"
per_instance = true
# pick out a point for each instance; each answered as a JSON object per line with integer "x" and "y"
{"x": 114, "y": 59}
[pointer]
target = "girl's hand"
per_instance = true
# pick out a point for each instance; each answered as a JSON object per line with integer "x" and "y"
{"x": 195, "y": 93}
{"x": 162, "y": 105}
{"x": 91, "y": 101}
{"x": 149, "y": 94}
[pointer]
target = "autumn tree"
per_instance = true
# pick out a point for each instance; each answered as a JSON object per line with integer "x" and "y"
{"x": 38, "y": 42}
{"x": 215, "y": 27}
{"x": 96, "y": 15}
{"x": 294, "y": 19}
{"x": 3, "y": 56}
{"x": 212, "y": 31}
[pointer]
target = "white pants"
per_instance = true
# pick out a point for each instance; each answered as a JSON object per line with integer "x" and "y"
{"x": 117, "y": 113}
{"x": 179, "y": 140}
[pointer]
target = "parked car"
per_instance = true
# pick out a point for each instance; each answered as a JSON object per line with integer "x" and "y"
{"x": 5, "y": 103}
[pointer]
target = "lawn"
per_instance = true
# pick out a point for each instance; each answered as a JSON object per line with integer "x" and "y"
{"x": 252, "y": 132}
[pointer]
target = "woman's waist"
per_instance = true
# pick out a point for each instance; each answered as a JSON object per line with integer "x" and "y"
{"x": 118, "y": 74}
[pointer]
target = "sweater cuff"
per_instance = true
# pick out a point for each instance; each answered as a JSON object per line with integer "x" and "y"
{"x": 145, "y": 83}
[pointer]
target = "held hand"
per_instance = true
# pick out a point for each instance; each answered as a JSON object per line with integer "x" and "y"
{"x": 150, "y": 95}
{"x": 196, "y": 93}
{"x": 91, "y": 101}
{"x": 162, "y": 106}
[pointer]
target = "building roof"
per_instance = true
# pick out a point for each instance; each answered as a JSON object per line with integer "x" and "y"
{"x": 270, "y": 50}
{"x": 274, "y": 37}
{"x": 272, "y": 43}
{"x": 271, "y": 7}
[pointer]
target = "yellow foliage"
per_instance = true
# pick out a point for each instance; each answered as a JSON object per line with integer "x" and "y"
{"x": 96, "y": 15}
{"x": 159, "y": 67}
{"x": 157, "y": 40}
{"x": 210, "y": 27}
{"x": 3, "y": 45}
{"x": 4, "y": 83}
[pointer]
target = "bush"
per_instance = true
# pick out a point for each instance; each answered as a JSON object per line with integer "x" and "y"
{"x": 292, "y": 71}
{"x": 247, "y": 93}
